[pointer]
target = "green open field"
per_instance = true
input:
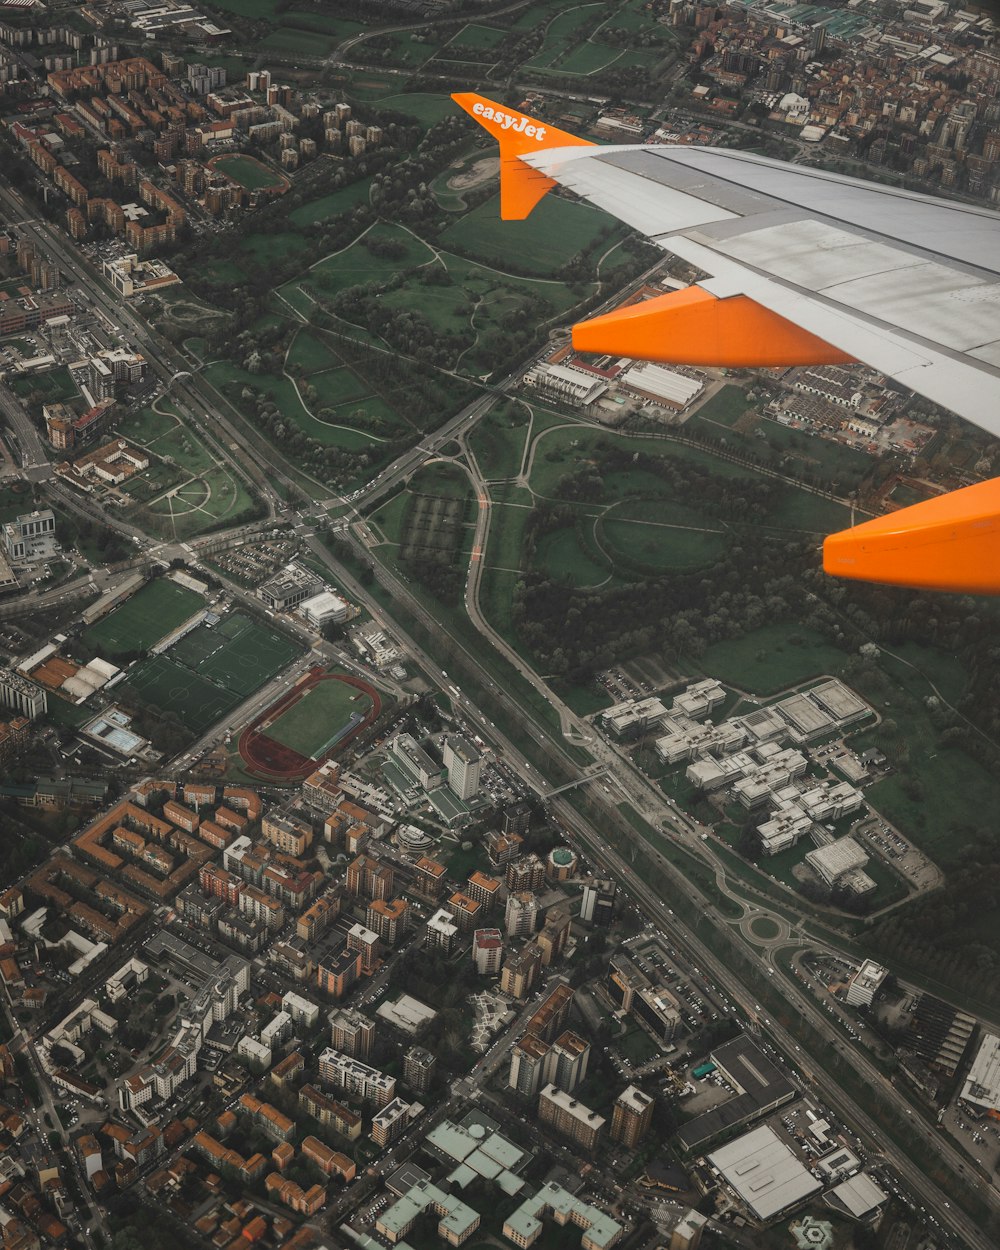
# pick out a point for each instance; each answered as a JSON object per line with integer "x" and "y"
{"x": 498, "y": 440}
{"x": 140, "y": 622}
{"x": 331, "y": 205}
{"x": 768, "y": 659}
{"x": 211, "y": 670}
{"x": 554, "y": 233}
{"x": 248, "y": 172}
{"x": 318, "y": 717}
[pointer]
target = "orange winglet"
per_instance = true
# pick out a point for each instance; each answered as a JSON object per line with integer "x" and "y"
{"x": 694, "y": 327}
{"x": 521, "y": 187}
{"x": 948, "y": 543}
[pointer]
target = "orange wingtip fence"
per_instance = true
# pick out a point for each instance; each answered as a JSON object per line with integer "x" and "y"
{"x": 948, "y": 543}
{"x": 521, "y": 187}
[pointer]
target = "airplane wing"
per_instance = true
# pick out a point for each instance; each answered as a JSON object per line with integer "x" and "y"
{"x": 804, "y": 267}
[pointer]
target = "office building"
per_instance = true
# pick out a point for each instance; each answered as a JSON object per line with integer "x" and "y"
{"x": 632, "y": 1116}
{"x": 31, "y": 537}
{"x": 464, "y": 765}
{"x": 571, "y": 1119}
{"x": 22, "y": 696}
{"x": 597, "y": 906}
{"x": 865, "y": 983}
{"x": 688, "y": 1230}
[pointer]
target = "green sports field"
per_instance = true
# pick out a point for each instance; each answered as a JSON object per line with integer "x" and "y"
{"x": 212, "y": 670}
{"x": 151, "y": 613}
{"x": 319, "y": 717}
{"x": 248, "y": 172}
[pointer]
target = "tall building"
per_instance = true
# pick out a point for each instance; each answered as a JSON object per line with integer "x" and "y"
{"x": 467, "y": 911}
{"x": 442, "y": 931}
{"x": 526, "y": 873}
{"x": 356, "y": 1078}
{"x": 389, "y": 1124}
{"x": 418, "y": 1069}
{"x": 521, "y": 915}
{"x": 516, "y": 818}
{"x": 687, "y": 1232}
{"x": 598, "y": 903}
{"x": 528, "y": 1065}
{"x": 550, "y": 1018}
{"x": 22, "y": 696}
{"x": 487, "y": 952}
{"x": 388, "y": 920}
{"x": 464, "y": 765}
{"x": 562, "y": 1113}
{"x": 520, "y": 972}
{"x": 561, "y": 864}
{"x": 483, "y": 889}
{"x": 554, "y": 935}
{"x": 567, "y": 1061}
{"x": 632, "y": 1116}
{"x": 352, "y": 1033}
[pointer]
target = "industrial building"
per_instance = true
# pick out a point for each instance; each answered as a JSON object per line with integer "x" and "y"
{"x": 764, "y": 1173}
{"x": 760, "y": 1085}
{"x": 981, "y": 1089}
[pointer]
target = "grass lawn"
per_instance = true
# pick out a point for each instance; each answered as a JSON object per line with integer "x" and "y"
{"x": 498, "y": 440}
{"x": 297, "y": 42}
{"x": 356, "y": 265}
{"x": 247, "y": 171}
{"x": 725, "y": 407}
{"x": 637, "y": 1046}
{"x": 768, "y": 659}
{"x": 267, "y": 248}
{"x": 170, "y": 687}
{"x": 265, "y": 9}
{"x": 331, "y": 205}
{"x": 320, "y": 716}
{"x": 659, "y": 547}
{"x": 560, "y": 554}
{"x": 554, "y": 233}
{"x": 151, "y": 613}
{"x": 475, "y": 36}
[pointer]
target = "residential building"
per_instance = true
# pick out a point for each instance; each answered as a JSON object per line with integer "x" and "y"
{"x": 598, "y": 1231}
{"x": 597, "y": 905}
{"x": 631, "y": 1117}
{"x": 344, "y": 1072}
{"x": 487, "y": 951}
{"x": 567, "y": 1061}
{"x": 524, "y": 874}
{"x": 329, "y": 1113}
{"x": 418, "y": 1069}
{"x": 571, "y": 1119}
{"x": 521, "y": 915}
{"x": 520, "y": 972}
{"x": 388, "y": 919}
{"x": 442, "y": 931}
{"x": 352, "y": 1033}
{"x": 554, "y": 935}
{"x": 466, "y": 910}
{"x": 528, "y": 1065}
{"x": 550, "y": 1018}
{"x": 391, "y": 1122}
{"x": 484, "y": 889}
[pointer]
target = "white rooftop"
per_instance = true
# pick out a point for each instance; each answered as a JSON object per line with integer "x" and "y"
{"x": 764, "y": 1172}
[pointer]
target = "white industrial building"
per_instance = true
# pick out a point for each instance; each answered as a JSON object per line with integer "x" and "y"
{"x": 841, "y": 863}
{"x": 865, "y": 983}
{"x": 564, "y": 383}
{"x": 764, "y": 1173}
{"x": 324, "y": 608}
{"x": 858, "y": 1197}
{"x": 663, "y": 386}
{"x": 982, "y": 1084}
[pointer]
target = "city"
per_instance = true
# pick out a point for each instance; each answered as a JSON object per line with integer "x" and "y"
{"x": 443, "y": 800}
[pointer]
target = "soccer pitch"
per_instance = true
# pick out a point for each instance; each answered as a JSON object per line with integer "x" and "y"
{"x": 140, "y": 622}
{"x": 320, "y": 716}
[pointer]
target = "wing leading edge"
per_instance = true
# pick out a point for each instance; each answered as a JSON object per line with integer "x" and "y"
{"x": 804, "y": 267}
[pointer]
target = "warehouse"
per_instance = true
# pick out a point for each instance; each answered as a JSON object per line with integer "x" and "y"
{"x": 981, "y": 1090}
{"x": 764, "y": 1173}
{"x": 663, "y": 386}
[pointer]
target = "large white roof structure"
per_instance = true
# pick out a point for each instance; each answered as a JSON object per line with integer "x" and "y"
{"x": 982, "y": 1085}
{"x": 764, "y": 1173}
